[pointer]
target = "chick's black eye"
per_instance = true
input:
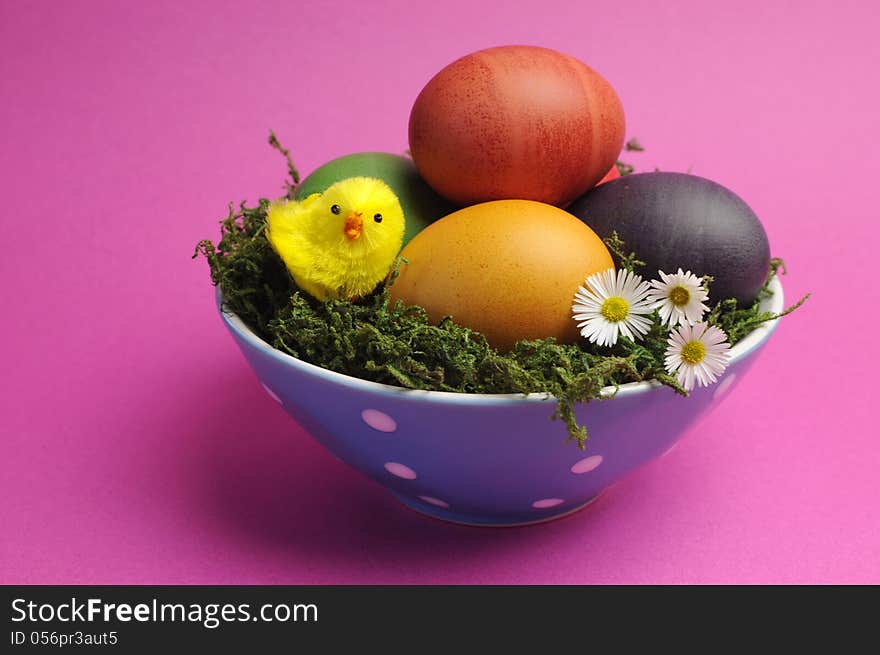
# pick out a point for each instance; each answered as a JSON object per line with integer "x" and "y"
{"x": 336, "y": 209}
{"x": 378, "y": 218}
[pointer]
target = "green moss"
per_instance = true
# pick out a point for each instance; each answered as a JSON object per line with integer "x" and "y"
{"x": 632, "y": 145}
{"x": 376, "y": 340}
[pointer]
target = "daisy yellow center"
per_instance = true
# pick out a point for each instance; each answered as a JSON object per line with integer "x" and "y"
{"x": 679, "y": 295}
{"x": 693, "y": 352}
{"x": 615, "y": 309}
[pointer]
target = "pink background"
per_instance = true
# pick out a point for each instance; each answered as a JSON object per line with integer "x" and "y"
{"x": 139, "y": 448}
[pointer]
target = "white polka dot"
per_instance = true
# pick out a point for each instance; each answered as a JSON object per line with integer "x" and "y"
{"x": 586, "y": 464}
{"x": 434, "y": 501}
{"x": 724, "y": 385}
{"x": 273, "y": 395}
{"x": 546, "y": 503}
{"x": 379, "y": 420}
{"x": 400, "y": 470}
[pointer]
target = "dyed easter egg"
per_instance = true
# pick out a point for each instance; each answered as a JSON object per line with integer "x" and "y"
{"x": 421, "y": 205}
{"x": 508, "y": 268}
{"x": 515, "y": 122}
{"x": 612, "y": 174}
{"x": 673, "y": 220}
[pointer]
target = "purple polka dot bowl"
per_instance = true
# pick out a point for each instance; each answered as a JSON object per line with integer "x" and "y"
{"x": 492, "y": 460}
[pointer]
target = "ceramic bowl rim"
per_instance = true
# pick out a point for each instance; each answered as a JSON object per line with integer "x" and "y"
{"x": 744, "y": 348}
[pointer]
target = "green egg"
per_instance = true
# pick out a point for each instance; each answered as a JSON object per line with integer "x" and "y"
{"x": 421, "y": 205}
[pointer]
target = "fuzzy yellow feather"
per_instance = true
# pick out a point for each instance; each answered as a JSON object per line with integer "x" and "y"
{"x": 340, "y": 243}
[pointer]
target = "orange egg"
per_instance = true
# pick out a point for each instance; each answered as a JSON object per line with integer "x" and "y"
{"x": 507, "y": 268}
{"x": 515, "y": 122}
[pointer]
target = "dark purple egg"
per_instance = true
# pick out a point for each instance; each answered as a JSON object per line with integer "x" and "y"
{"x": 673, "y": 220}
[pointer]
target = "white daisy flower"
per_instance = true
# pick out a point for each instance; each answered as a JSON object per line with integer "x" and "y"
{"x": 612, "y": 304}
{"x": 679, "y": 298}
{"x": 697, "y": 353}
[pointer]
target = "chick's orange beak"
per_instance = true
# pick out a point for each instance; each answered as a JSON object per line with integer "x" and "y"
{"x": 353, "y": 226}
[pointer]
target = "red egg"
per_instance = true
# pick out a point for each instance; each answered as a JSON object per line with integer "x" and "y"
{"x": 612, "y": 174}
{"x": 515, "y": 122}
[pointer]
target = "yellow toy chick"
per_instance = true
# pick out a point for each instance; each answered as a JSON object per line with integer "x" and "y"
{"x": 340, "y": 243}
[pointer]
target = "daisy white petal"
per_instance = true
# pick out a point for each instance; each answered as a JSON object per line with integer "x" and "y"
{"x": 697, "y": 353}
{"x": 679, "y": 298}
{"x": 612, "y": 303}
